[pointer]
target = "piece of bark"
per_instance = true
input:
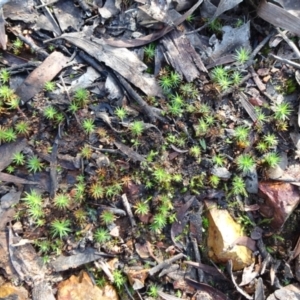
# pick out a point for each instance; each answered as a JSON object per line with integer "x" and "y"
{"x": 35, "y": 82}
{"x": 178, "y": 226}
{"x": 182, "y": 55}
{"x": 278, "y": 16}
{"x": 15, "y": 179}
{"x": 63, "y": 263}
{"x": 25, "y": 260}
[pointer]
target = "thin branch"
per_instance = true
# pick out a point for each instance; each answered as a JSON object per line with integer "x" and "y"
{"x": 47, "y": 4}
{"x": 286, "y": 61}
{"x": 165, "y": 263}
{"x": 128, "y": 210}
{"x": 289, "y": 42}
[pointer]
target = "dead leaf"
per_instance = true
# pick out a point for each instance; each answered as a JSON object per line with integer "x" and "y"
{"x": 290, "y": 291}
{"x": 109, "y": 9}
{"x": 181, "y": 221}
{"x": 153, "y": 36}
{"x": 130, "y": 68}
{"x": 7, "y": 152}
{"x": 249, "y": 273}
{"x": 63, "y": 263}
{"x": 78, "y": 287}
{"x": 212, "y": 271}
{"x": 68, "y": 15}
{"x": 137, "y": 278}
{"x": 156, "y": 12}
{"x": 281, "y": 198}
{"x": 167, "y": 297}
{"x": 19, "y": 10}
{"x": 259, "y": 290}
{"x": 42, "y": 291}
{"x": 25, "y": 260}
{"x": 10, "y": 291}
{"x": 225, "y": 5}
{"x": 233, "y": 38}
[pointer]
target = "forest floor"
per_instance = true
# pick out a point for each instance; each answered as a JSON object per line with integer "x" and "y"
{"x": 149, "y": 150}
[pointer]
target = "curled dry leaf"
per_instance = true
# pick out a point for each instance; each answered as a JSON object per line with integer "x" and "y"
{"x": 280, "y": 201}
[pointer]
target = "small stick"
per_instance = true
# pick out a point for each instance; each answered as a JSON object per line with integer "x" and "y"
{"x": 261, "y": 86}
{"x": 128, "y": 210}
{"x": 165, "y": 263}
{"x": 198, "y": 29}
{"x": 289, "y": 42}
{"x": 23, "y": 67}
{"x": 33, "y": 46}
{"x": 259, "y": 47}
{"x": 286, "y": 61}
{"x": 105, "y": 268}
{"x": 198, "y": 259}
{"x": 47, "y": 4}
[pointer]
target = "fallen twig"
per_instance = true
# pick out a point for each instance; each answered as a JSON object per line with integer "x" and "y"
{"x": 165, "y": 263}
{"x": 144, "y": 105}
{"x": 286, "y": 61}
{"x": 128, "y": 210}
{"x": 289, "y": 42}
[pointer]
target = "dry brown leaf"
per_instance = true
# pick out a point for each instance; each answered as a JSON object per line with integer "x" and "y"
{"x": 78, "y": 287}
{"x": 280, "y": 201}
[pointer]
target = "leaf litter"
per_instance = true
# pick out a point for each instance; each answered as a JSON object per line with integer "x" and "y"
{"x": 102, "y": 131}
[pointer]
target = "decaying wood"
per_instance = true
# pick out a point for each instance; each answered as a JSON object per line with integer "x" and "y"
{"x": 34, "y": 83}
{"x": 278, "y": 16}
{"x": 182, "y": 55}
{"x": 150, "y": 112}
